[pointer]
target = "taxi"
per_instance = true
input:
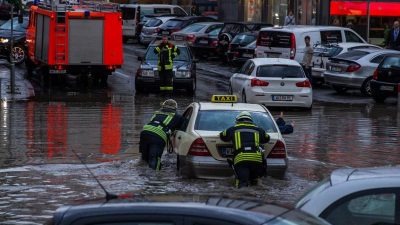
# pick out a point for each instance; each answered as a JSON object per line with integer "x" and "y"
{"x": 200, "y": 151}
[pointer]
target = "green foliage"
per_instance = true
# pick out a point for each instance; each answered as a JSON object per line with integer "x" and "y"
{"x": 17, "y": 4}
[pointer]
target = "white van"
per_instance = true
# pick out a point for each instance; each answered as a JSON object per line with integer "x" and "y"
{"x": 130, "y": 15}
{"x": 288, "y": 42}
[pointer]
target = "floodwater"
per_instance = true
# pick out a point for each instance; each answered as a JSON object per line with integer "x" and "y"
{"x": 43, "y": 141}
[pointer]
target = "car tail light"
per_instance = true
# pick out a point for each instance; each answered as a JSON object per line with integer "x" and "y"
{"x": 214, "y": 43}
{"x": 257, "y": 82}
{"x": 375, "y": 76}
{"x": 292, "y": 46}
{"x": 191, "y": 38}
{"x": 174, "y": 30}
{"x": 199, "y": 148}
{"x": 304, "y": 84}
{"x": 157, "y": 30}
{"x": 353, "y": 67}
{"x": 278, "y": 151}
{"x": 236, "y": 54}
{"x": 138, "y": 72}
{"x": 229, "y": 47}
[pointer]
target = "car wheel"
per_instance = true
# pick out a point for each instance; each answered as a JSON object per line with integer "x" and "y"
{"x": 339, "y": 89}
{"x": 366, "y": 87}
{"x": 192, "y": 87}
{"x": 244, "y": 99}
{"x": 18, "y": 54}
{"x": 379, "y": 98}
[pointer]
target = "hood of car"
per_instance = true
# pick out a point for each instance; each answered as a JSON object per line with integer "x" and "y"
{"x": 179, "y": 65}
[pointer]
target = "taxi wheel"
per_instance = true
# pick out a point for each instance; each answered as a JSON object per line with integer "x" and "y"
{"x": 244, "y": 96}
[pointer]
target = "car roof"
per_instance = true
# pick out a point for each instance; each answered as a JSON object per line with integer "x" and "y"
{"x": 349, "y": 44}
{"x": 208, "y": 23}
{"x": 272, "y": 61}
{"x": 303, "y": 28}
{"x": 176, "y": 43}
{"x": 351, "y": 174}
{"x": 233, "y": 107}
{"x": 190, "y": 17}
{"x": 149, "y": 5}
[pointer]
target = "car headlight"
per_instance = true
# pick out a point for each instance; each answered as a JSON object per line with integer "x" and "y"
{"x": 147, "y": 73}
{"x": 4, "y": 40}
{"x": 183, "y": 74}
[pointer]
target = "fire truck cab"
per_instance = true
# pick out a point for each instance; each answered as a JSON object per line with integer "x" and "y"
{"x": 84, "y": 40}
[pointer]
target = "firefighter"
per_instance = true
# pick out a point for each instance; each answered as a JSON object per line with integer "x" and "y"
{"x": 155, "y": 134}
{"x": 248, "y": 162}
{"x": 166, "y": 53}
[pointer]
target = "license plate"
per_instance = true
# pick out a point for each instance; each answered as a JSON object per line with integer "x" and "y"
{"x": 387, "y": 88}
{"x": 57, "y": 71}
{"x": 282, "y": 97}
{"x": 248, "y": 55}
{"x": 203, "y": 42}
{"x": 273, "y": 55}
{"x": 336, "y": 69}
{"x": 227, "y": 151}
{"x": 178, "y": 38}
{"x": 165, "y": 32}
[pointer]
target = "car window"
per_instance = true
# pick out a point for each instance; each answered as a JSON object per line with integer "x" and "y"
{"x": 213, "y": 28}
{"x": 390, "y": 61}
{"x": 232, "y": 28}
{"x": 352, "y": 37}
{"x": 378, "y": 59}
{"x": 331, "y": 36}
{"x": 243, "y": 39}
{"x": 275, "y": 39}
{"x": 153, "y": 23}
{"x": 194, "y": 28}
{"x": 172, "y": 23}
{"x": 213, "y": 120}
{"x": 252, "y": 45}
{"x": 179, "y": 11}
{"x": 280, "y": 71}
{"x": 186, "y": 115}
{"x": 249, "y": 69}
{"x": 245, "y": 67}
{"x": 367, "y": 208}
{"x": 16, "y": 26}
{"x": 215, "y": 32}
{"x": 353, "y": 55}
{"x": 128, "y": 13}
{"x": 183, "y": 56}
{"x": 327, "y": 51}
{"x": 363, "y": 46}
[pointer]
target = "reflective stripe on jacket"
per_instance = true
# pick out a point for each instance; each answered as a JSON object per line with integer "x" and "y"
{"x": 159, "y": 124}
{"x": 166, "y": 53}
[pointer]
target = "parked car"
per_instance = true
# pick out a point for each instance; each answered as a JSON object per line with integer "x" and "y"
{"x": 365, "y": 196}
{"x": 177, "y": 24}
{"x": 272, "y": 82}
{"x": 206, "y": 46}
{"x": 182, "y": 211}
{"x": 151, "y": 27}
{"x": 230, "y": 30}
{"x": 243, "y": 54}
{"x": 147, "y": 77}
{"x": 194, "y": 31}
{"x": 386, "y": 79}
{"x": 323, "y": 52}
{"x": 288, "y": 42}
{"x": 18, "y": 52}
{"x": 354, "y": 69}
{"x": 131, "y": 16}
{"x": 240, "y": 40}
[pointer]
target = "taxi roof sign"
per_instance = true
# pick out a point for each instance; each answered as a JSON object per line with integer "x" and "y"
{"x": 224, "y": 98}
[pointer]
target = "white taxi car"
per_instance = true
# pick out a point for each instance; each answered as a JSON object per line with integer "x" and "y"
{"x": 272, "y": 82}
{"x": 201, "y": 153}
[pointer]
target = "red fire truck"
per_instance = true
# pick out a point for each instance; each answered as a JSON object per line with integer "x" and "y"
{"x": 83, "y": 40}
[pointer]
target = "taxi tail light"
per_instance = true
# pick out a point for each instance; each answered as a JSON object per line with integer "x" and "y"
{"x": 304, "y": 84}
{"x": 375, "y": 75}
{"x": 292, "y": 46}
{"x": 353, "y": 67}
{"x": 278, "y": 151}
{"x": 157, "y": 30}
{"x": 199, "y": 148}
{"x": 256, "y": 82}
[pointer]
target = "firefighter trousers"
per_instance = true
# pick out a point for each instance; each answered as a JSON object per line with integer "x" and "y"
{"x": 248, "y": 172}
{"x": 151, "y": 147}
{"x": 166, "y": 80}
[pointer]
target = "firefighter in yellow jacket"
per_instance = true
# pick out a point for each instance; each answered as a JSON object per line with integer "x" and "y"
{"x": 166, "y": 53}
{"x": 248, "y": 159}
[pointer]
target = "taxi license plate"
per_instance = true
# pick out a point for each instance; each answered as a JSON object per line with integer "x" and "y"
{"x": 336, "y": 69}
{"x": 165, "y": 32}
{"x": 247, "y": 55}
{"x": 282, "y": 97}
{"x": 227, "y": 151}
{"x": 387, "y": 88}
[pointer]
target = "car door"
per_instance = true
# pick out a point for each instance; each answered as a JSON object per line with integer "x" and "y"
{"x": 239, "y": 79}
{"x": 371, "y": 207}
{"x": 181, "y": 136}
{"x": 121, "y": 219}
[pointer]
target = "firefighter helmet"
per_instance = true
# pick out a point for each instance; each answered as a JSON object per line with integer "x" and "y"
{"x": 244, "y": 116}
{"x": 170, "y": 104}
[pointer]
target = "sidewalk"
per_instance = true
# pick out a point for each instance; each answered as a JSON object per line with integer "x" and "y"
{"x": 23, "y": 88}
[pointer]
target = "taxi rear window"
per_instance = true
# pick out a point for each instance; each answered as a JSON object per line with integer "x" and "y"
{"x": 219, "y": 120}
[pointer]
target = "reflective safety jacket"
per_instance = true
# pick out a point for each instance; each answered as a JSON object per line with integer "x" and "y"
{"x": 162, "y": 123}
{"x": 246, "y": 138}
{"x": 166, "y": 54}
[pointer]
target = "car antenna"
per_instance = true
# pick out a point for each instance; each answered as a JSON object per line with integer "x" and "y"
{"x": 109, "y": 196}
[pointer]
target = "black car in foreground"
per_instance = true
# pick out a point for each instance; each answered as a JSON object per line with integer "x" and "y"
{"x": 177, "y": 24}
{"x": 19, "y": 52}
{"x": 210, "y": 211}
{"x": 386, "y": 79}
{"x": 147, "y": 77}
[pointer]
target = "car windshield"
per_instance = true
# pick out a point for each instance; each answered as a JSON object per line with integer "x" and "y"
{"x": 280, "y": 71}
{"x": 194, "y": 28}
{"x": 213, "y": 120}
{"x": 153, "y": 22}
{"x": 183, "y": 56}
{"x": 172, "y": 23}
{"x": 16, "y": 26}
{"x": 215, "y": 32}
{"x": 390, "y": 62}
{"x": 352, "y": 55}
{"x": 327, "y": 51}
{"x": 243, "y": 39}
{"x": 252, "y": 45}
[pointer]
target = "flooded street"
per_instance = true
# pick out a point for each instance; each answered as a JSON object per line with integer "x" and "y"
{"x": 40, "y": 140}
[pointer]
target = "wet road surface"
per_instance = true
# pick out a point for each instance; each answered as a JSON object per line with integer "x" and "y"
{"x": 40, "y": 140}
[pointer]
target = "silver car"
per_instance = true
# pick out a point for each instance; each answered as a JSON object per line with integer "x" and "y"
{"x": 366, "y": 196}
{"x": 354, "y": 69}
{"x": 194, "y": 31}
{"x": 151, "y": 28}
